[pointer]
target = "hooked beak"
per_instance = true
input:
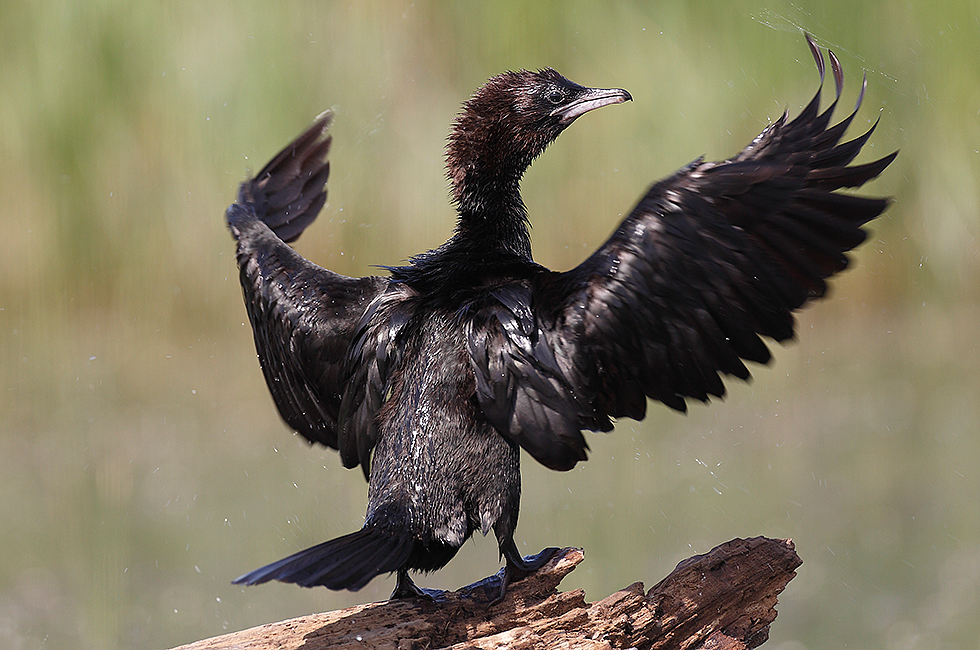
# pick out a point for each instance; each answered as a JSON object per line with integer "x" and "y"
{"x": 592, "y": 99}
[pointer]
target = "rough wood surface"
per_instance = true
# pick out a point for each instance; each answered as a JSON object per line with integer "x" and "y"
{"x": 723, "y": 600}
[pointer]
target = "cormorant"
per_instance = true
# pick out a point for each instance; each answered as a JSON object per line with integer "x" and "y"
{"x": 432, "y": 378}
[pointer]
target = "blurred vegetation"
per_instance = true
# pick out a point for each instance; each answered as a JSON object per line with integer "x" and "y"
{"x": 143, "y": 465}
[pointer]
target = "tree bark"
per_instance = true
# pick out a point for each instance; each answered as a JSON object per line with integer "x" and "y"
{"x": 723, "y": 600}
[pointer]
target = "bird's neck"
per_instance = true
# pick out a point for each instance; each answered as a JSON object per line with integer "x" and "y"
{"x": 493, "y": 221}
{"x": 486, "y": 180}
{"x": 490, "y": 239}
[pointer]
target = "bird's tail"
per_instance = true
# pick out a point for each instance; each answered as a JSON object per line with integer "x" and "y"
{"x": 347, "y": 562}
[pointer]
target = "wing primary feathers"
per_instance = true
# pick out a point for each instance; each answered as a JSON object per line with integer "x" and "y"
{"x": 715, "y": 257}
{"x": 856, "y": 176}
{"x": 284, "y": 166}
{"x": 290, "y": 190}
{"x": 303, "y": 316}
{"x": 817, "y": 55}
{"x": 838, "y": 72}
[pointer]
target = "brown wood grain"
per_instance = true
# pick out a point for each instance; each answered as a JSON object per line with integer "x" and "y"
{"x": 722, "y": 600}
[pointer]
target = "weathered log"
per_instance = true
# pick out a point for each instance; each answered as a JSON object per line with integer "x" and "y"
{"x": 723, "y": 600}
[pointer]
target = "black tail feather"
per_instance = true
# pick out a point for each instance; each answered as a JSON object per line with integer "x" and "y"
{"x": 347, "y": 562}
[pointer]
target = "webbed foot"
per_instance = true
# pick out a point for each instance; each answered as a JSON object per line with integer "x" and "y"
{"x": 518, "y": 567}
{"x": 406, "y": 589}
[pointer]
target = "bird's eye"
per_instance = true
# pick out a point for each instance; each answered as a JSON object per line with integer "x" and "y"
{"x": 555, "y": 96}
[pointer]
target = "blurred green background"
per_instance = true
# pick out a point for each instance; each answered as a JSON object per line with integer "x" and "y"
{"x": 143, "y": 465}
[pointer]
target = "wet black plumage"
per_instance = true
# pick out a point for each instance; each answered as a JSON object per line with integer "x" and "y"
{"x": 432, "y": 378}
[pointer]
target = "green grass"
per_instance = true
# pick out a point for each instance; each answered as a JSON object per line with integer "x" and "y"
{"x": 143, "y": 465}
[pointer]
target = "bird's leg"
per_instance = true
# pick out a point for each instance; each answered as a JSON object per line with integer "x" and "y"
{"x": 519, "y": 567}
{"x": 406, "y": 589}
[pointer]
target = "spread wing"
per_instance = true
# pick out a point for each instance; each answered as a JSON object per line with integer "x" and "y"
{"x": 709, "y": 261}
{"x": 303, "y": 316}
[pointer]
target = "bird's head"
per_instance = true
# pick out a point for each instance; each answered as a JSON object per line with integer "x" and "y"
{"x": 510, "y": 120}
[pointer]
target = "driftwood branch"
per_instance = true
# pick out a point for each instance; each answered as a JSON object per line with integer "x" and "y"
{"x": 722, "y": 600}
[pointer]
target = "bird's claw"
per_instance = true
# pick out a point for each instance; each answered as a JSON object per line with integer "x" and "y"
{"x": 518, "y": 567}
{"x": 406, "y": 589}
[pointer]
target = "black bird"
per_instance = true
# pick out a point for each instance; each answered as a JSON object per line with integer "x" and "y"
{"x": 433, "y": 377}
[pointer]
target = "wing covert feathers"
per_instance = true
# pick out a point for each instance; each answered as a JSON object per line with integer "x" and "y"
{"x": 710, "y": 261}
